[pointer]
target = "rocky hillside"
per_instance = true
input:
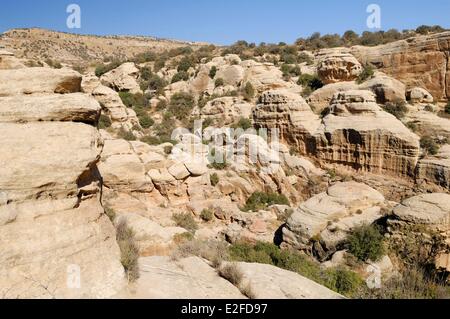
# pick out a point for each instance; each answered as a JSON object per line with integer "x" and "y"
{"x": 40, "y": 44}
{"x": 155, "y": 164}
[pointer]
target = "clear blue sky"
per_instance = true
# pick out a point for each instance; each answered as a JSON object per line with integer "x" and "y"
{"x": 222, "y": 21}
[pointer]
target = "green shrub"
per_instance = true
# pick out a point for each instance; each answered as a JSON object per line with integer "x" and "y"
{"x": 183, "y": 238}
{"x": 180, "y": 76}
{"x": 129, "y": 250}
{"x": 214, "y": 179}
{"x": 137, "y": 100}
{"x": 366, "y": 243}
{"x": 248, "y": 92}
{"x": 145, "y": 57}
{"x": 243, "y": 123}
{"x": 412, "y": 126}
{"x": 312, "y": 82}
{"x": 186, "y": 221}
{"x": 104, "y": 122}
{"x": 344, "y": 281}
{"x": 146, "y": 121}
{"x": 150, "y": 140}
{"x": 186, "y": 63}
{"x": 207, "y": 215}
{"x": 154, "y": 83}
{"x": 219, "y": 82}
{"x": 105, "y": 68}
{"x": 162, "y": 105}
{"x": 396, "y": 108}
{"x": 290, "y": 70}
{"x": 126, "y": 135}
{"x": 181, "y": 105}
{"x": 213, "y": 72}
{"x": 260, "y": 200}
{"x": 429, "y": 145}
{"x": 367, "y": 73}
{"x": 160, "y": 63}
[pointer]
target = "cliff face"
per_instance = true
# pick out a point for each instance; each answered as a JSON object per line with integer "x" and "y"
{"x": 417, "y": 62}
{"x": 55, "y": 240}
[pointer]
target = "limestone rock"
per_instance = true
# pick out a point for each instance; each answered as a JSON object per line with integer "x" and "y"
{"x": 436, "y": 169}
{"x": 335, "y": 66}
{"x": 289, "y": 113}
{"x": 231, "y": 75}
{"x": 385, "y": 88}
{"x": 417, "y": 62}
{"x": 76, "y": 107}
{"x": 321, "y": 98}
{"x": 419, "y": 95}
{"x": 39, "y": 80}
{"x": 189, "y": 278}
{"x": 226, "y": 110}
{"x": 270, "y": 282}
{"x": 123, "y": 78}
{"x": 359, "y": 134}
{"x": 331, "y": 215}
{"x": 8, "y": 61}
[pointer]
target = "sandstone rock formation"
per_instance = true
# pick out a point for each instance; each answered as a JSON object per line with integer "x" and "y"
{"x": 226, "y": 110}
{"x": 323, "y": 222}
{"x": 9, "y": 61}
{"x": 123, "y": 78}
{"x": 337, "y": 66}
{"x": 417, "y": 62}
{"x": 359, "y": 134}
{"x": 56, "y": 240}
{"x": 289, "y": 113}
{"x": 436, "y": 169}
{"x": 419, "y": 95}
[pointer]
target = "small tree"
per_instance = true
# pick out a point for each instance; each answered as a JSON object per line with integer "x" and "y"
{"x": 212, "y": 72}
{"x": 249, "y": 92}
{"x": 429, "y": 145}
{"x": 366, "y": 74}
{"x": 219, "y": 82}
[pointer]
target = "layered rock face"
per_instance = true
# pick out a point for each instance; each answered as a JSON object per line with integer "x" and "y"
{"x": 436, "y": 169}
{"x": 290, "y": 114}
{"x": 337, "y": 66}
{"x": 123, "y": 78}
{"x": 359, "y": 134}
{"x": 56, "y": 241}
{"x": 418, "y": 62}
{"x": 323, "y": 222}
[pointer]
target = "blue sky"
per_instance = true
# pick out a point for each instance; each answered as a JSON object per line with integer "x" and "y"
{"x": 222, "y": 21}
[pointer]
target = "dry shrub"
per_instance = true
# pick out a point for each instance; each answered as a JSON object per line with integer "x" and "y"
{"x": 231, "y": 273}
{"x": 129, "y": 250}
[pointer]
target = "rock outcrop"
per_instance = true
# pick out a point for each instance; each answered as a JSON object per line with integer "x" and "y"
{"x": 338, "y": 66}
{"x": 56, "y": 240}
{"x": 123, "y": 78}
{"x": 417, "y": 62}
{"x": 290, "y": 114}
{"x": 357, "y": 133}
{"x": 320, "y": 224}
{"x": 436, "y": 169}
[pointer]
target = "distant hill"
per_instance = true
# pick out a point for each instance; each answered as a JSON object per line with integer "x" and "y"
{"x": 73, "y": 48}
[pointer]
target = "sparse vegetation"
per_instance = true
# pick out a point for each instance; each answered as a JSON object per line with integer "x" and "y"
{"x": 429, "y": 145}
{"x": 53, "y": 64}
{"x": 212, "y": 72}
{"x": 248, "y": 92}
{"x": 396, "y": 108}
{"x": 104, "y": 122}
{"x": 207, "y": 215}
{"x": 243, "y": 123}
{"x": 126, "y": 135}
{"x": 231, "y": 273}
{"x": 186, "y": 221}
{"x": 129, "y": 250}
{"x": 310, "y": 82}
{"x": 214, "y": 179}
{"x": 367, "y": 73}
{"x": 181, "y": 105}
{"x": 337, "y": 279}
{"x": 366, "y": 243}
{"x": 180, "y": 76}
{"x": 105, "y": 68}
{"x": 219, "y": 82}
{"x": 260, "y": 200}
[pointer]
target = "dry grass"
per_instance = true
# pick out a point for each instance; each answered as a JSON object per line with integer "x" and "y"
{"x": 129, "y": 250}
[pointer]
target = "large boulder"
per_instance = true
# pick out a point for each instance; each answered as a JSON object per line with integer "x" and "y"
{"x": 8, "y": 61}
{"x": 39, "y": 80}
{"x": 357, "y": 133}
{"x": 321, "y": 98}
{"x": 76, "y": 107}
{"x": 123, "y": 78}
{"x": 419, "y": 95}
{"x": 337, "y": 66}
{"x": 385, "y": 88}
{"x": 327, "y": 218}
{"x": 270, "y": 282}
{"x": 188, "y": 278}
